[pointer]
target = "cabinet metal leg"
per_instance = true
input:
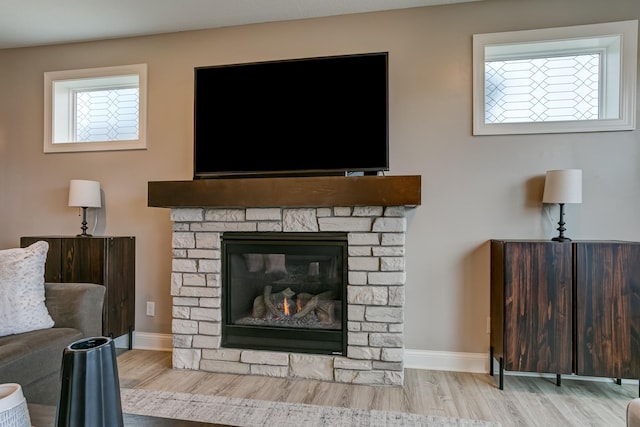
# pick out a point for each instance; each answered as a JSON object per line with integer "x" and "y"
{"x": 619, "y": 381}
{"x": 558, "y": 380}
{"x": 130, "y": 338}
{"x": 501, "y": 374}
{"x": 491, "y": 360}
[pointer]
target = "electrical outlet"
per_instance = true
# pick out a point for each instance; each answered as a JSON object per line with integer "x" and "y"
{"x": 151, "y": 308}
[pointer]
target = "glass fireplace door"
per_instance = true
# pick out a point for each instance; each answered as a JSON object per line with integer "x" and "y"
{"x": 284, "y": 291}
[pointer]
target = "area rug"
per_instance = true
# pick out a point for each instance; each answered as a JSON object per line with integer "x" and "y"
{"x": 261, "y": 413}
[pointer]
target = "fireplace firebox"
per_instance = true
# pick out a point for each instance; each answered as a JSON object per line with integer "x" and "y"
{"x": 284, "y": 291}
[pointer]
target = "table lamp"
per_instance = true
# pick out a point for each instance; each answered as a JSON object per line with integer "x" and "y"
{"x": 562, "y": 186}
{"x": 84, "y": 194}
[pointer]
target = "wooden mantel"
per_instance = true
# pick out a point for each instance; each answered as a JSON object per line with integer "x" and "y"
{"x": 288, "y": 192}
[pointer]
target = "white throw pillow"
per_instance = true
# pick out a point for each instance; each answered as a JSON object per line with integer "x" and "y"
{"x": 22, "y": 306}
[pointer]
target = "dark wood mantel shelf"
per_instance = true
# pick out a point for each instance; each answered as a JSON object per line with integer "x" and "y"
{"x": 288, "y": 192}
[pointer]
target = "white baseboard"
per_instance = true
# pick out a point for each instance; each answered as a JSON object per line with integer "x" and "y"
{"x": 446, "y": 361}
{"x": 147, "y": 341}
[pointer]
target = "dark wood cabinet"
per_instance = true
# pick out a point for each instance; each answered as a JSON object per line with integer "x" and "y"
{"x": 531, "y": 306}
{"x": 607, "y": 289}
{"x": 108, "y": 261}
{"x": 565, "y": 308}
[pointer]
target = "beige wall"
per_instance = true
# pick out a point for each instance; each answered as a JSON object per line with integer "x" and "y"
{"x": 474, "y": 188}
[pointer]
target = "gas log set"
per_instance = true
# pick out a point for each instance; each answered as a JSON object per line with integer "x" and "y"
{"x": 302, "y": 309}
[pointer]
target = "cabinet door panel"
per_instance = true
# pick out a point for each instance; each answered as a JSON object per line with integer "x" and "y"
{"x": 120, "y": 277}
{"x": 52, "y": 270}
{"x": 538, "y": 298}
{"x": 83, "y": 260}
{"x": 608, "y": 309}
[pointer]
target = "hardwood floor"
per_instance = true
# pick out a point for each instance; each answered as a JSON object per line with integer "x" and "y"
{"x": 525, "y": 401}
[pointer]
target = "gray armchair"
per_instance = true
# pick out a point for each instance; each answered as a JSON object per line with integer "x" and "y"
{"x": 76, "y": 305}
{"x": 33, "y": 359}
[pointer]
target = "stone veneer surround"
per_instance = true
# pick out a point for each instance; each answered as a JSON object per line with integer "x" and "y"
{"x": 375, "y": 292}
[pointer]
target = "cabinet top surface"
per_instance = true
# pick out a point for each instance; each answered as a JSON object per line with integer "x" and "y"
{"x": 77, "y": 237}
{"x": 559, "y": 243}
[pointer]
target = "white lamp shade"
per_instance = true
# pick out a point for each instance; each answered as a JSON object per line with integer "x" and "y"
{"x": 563, "y": 186}
{"x": 84, "y": 194}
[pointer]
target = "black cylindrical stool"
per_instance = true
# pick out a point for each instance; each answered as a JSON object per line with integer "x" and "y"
{"x": 90, "y": 389}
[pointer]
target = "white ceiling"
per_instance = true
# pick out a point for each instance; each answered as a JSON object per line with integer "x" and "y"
{"x": 41, "y": 22}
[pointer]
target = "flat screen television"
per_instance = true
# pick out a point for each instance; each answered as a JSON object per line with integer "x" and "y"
{"x": 324, "y": 115}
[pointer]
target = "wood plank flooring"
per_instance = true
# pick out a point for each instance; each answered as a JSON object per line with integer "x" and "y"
{"x": 525, "y": 401}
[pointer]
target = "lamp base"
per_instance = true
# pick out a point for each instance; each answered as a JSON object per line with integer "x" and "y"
{"x": 84, "y": 224}
{"x": 561, "y": 229}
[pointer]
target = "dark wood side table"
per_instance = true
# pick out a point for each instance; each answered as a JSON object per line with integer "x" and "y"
{"x": 566, "y": 308}
{"x": 105, "y": 260}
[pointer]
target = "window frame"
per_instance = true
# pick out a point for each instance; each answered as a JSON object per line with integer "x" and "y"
{"x": 571, "y": 38}
{"x": 59, "y": 87}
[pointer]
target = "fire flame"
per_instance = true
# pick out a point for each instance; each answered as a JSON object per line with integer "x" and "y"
{"x": 285, "y": 305}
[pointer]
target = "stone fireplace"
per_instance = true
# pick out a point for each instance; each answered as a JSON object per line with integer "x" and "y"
{"x": 374, "y": 288}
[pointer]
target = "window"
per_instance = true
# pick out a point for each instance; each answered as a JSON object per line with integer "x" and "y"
{"x": 570, "y": 79}
{"x": 95, "y": 109}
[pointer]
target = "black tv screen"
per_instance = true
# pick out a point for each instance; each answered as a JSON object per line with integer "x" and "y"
{"x": 326, "y": 115}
